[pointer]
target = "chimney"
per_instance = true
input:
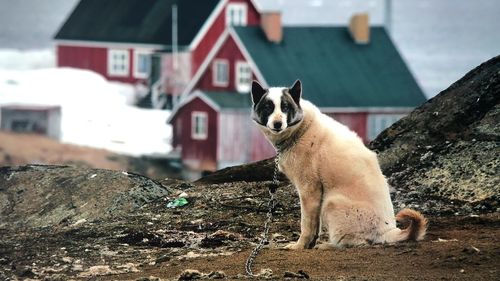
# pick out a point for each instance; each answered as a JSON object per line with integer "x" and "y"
{"x": 271, "y": 25}
{"x": 359, "y": 27}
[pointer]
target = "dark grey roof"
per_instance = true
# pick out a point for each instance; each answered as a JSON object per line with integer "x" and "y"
{"x": 136, "y": 21}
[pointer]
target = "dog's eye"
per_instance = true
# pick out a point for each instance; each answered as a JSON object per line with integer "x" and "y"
{"x": 267, "y": 107}
{"x": 284, "y": 107}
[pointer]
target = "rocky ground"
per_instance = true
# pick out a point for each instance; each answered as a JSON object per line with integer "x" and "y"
{"x": 445, "y": 156}
{"x": 66, "y": 222}
{"x": 116, "y": 233}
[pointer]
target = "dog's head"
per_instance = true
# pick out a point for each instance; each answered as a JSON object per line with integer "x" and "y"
{"x": 277, "y": 108}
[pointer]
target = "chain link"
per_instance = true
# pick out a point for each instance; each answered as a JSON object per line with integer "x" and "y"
{"x": 276, "y": 168}
{"x": 269, "y": 217}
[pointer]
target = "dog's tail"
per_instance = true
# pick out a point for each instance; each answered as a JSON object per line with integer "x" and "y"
{"x": 417, "y": 226}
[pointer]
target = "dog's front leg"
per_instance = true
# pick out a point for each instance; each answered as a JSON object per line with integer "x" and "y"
{"x": 310, "y": 207}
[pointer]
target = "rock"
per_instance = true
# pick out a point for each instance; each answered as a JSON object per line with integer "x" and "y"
{"x": 252, "y": 172}
{"x": 97, "y": 270}
{"x": 56, "y": 277}
{"x": 70, "y": 195}
{"x": 190, "y": 274}
{"x": 471, "y": 250}
{"x": 162, "y": 258}
{"x": 25, "y": 272}
{"x": 216, "y": 275}
{"x": 453, "y": 155}
{"x": 150, "y": 278}
{"x": 299, "y": 275}
{"x": 265, "y": 273}
{"x": 79, "y": 222}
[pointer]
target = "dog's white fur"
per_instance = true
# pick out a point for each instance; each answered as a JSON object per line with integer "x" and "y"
{"x": 339, "y": 182}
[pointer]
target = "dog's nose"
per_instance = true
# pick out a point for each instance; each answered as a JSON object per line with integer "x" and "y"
{"x": 277, "y": 125}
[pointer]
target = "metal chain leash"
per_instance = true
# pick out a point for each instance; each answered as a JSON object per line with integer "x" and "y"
{"x": 267, "y": 225}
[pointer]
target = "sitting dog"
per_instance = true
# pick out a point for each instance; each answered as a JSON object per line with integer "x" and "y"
{"x": 338, "y": 179}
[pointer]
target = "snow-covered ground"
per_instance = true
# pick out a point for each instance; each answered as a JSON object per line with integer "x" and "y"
{"x": 95, "y": 112}
{"x": 14, "y": 59}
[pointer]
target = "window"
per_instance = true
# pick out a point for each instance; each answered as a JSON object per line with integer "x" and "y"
{"x": 199, "y": 125}
{"x": 236, "y": 14}
{"x": 142, "y": 64}
{"x": 379, "y": 122}
{"x": 220, "y": 73}
{"x": 118, "y": 63}
{"x": 21, "y": 126}
{"x": 243, "y": 77}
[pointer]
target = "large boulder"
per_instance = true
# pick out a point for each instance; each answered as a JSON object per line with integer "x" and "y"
{"x": 40, "y": 195}
{"x": 445, "y": 155}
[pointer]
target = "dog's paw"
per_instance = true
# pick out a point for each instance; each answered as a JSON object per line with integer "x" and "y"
{"x": 294, "y": 246}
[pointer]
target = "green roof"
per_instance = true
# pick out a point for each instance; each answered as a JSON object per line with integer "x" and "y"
{"x": 230, "y": 100}
{"x": 335, "y": 71}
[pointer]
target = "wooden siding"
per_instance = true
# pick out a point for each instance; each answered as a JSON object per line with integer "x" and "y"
{"x": 95, "y": 59}
{"x": 355, "y": 121}
{"x": 207, "y": 42}
{"x": 240, "y": 140}
{"x": 261, "y": 148}
{"x": 234, "y": 138}
{"x": 230, "y": 52}
{"x": 199, "y": 155}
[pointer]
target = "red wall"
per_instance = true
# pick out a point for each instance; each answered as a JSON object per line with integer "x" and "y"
{"x": 261, "y": 148}
{"x": 214, "y": 32}
{"x": 92, "y": 58}
{"x": 355, "y": 121}
{"x": 230, "y": 52}
{"x": 198, "y": 155}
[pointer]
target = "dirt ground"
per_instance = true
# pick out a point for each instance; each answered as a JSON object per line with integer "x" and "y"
{"x": 214, "y": 232}
{"x": 465, "y": 249}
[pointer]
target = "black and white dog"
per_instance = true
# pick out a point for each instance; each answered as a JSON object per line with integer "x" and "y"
{"x": 338, "y": 179}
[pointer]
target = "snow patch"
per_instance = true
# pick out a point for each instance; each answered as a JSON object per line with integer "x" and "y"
{"x": 12, "y": 59}
{"x": 95, "y": 112}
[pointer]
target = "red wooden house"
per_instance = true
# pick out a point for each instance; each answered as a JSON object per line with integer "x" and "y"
{"x": 359, "y": 78}
{"x": 119, "y": 39}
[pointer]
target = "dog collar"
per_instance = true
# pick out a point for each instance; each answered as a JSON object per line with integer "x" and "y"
{"x": 287, "y": 143}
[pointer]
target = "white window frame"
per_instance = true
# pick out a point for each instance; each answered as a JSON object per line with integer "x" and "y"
{"x": 242, "y": 88}
{"x": 137, "y": 73}
{"x": 203, "y": 134}
{"x": 236, "y": 8}
{"x": 215, "y": 75}
{"x": 112, "y": 71}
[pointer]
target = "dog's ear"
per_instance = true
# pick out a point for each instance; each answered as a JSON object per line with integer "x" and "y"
{"x": 257, "y": 92}
{"x": 296, "y": 91}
